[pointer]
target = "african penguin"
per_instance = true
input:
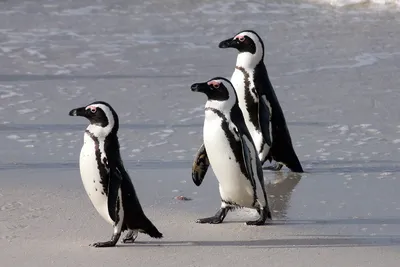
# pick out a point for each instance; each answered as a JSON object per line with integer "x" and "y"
{"x": 105, "y": 179}
{"x": 230, "y": 150}
{"x": 257, "y": 100}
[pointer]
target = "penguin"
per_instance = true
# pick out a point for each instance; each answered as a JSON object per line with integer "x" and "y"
{"x": 105, "y": 179}
{"x": 229, "y": 149}
{"x": 260, "y": 106}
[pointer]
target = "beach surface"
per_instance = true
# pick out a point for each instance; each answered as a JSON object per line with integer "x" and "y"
{"x": 335, "y": 70}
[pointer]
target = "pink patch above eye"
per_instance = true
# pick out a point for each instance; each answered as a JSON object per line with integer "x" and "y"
{"x": 239, "y": 37}
{"x": 92, "y": 109}
{"x": 214, "y": 83}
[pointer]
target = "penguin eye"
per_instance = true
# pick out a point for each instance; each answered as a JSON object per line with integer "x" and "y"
{"x": 216, "y": 85}
{"x": 241, "y": 39}
{"x": 93, "y": 109}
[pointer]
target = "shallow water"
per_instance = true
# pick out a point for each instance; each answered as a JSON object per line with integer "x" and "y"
{"x": 335, "y": 72}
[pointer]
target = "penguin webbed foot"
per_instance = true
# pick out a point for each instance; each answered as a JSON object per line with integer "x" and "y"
{"x": 265, "y": 214}
{"x": 210, "y": 220}
{"x": 217, "y": 218}
{"x": 110, "y": 243}
{"x": 275, "y": 167}
{"x": 130, "y": 237}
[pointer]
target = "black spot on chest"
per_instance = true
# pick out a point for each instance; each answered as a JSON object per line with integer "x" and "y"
{"x": 251, "y": 105}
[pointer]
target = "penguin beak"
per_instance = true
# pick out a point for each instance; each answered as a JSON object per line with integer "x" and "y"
{"x": 199, "y": 87}
{"x": 78, "y": 112}
{"x": 228, "y": 43}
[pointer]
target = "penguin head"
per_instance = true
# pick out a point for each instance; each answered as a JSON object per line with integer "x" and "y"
{"x": 102, "y": 117}
{"x": 249, "y": 45}
{"x": 219, "y": 91}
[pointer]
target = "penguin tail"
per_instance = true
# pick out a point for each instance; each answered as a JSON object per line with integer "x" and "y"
{"x": 290, "y": 160}
{"x": 294, "y": 165}
{"x": 152, "y": 231}
{"x": 296, "y": 168}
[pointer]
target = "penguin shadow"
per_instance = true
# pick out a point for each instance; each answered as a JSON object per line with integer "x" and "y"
{"x": 347, "y": 221}
{"x": 300, "y": 241}
{"x": 279, "y": 191}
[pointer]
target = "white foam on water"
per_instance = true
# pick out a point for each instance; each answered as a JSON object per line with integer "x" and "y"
{"x": 8, "y": 93}
{"x": 179, "y": 151}
{"x": 26, "y": 110}
{"x": 344, "y": 3}
{"x": 13, "y": 137}
{"x": 80, "y": 11}
{"x": 151, "y": 144}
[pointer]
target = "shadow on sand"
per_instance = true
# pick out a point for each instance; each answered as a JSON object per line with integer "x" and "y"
{"x": 296, "y": 242}
{"x": 279, "y": 192}
{"x": 344, "y": 221}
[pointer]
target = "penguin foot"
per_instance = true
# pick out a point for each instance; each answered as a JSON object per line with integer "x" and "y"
{"x": 130, "y": 237}
{"x": 268, "y": 215}
{"x": 103, "y": 244}
{"x": 217, "y": 218}
{"x": 276, "y": 167}
{"x": 257, "y": 222}
{"x": 110, "y": 243}
{"x": 264, "y": 215}
{"x": 210, "y": 220}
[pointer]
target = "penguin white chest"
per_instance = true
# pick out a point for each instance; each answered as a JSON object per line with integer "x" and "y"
{"x": 233, "y": 185}
{"x": 91, "y": 152}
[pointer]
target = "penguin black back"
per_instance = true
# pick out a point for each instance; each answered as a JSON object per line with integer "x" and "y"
{"x": 282, "y": 148}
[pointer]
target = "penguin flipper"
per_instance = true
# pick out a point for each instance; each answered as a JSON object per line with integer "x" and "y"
{"x": 265, "y": 114}
{"x": 245, "y": 143}
{"x": 114, "y": 183}
{"x": 200, "y": 165}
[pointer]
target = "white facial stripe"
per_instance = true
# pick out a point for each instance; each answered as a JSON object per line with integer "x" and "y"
{"x": 98, "y": 130}
{"x": 226, "y": 105}
{"x": 247, "y": 59}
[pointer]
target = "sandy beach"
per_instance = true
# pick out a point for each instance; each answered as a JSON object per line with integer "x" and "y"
{"x": 53, "y": 224}
{"x": 335, "y": 70}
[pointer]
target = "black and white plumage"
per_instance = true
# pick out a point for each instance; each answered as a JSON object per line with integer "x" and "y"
{"x": 229, "y": 148}
{"x": 260, "y": 106}
{"x": 105, "y": 179}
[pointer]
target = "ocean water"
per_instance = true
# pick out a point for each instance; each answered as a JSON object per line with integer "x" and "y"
{"x": 334, "y": 66}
